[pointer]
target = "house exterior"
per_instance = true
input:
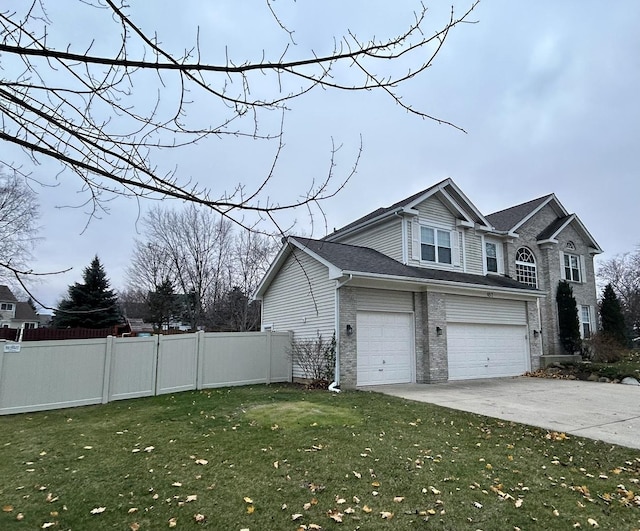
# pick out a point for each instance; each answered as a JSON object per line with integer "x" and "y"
{"x": 430, "y": 289}
{"x": 14, "y": 313}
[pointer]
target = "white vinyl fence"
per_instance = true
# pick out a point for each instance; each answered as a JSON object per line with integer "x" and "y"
{"x": 43, "y": 375}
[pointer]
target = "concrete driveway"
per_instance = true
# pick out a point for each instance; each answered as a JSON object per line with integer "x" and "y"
{"x": 607, "y": 412}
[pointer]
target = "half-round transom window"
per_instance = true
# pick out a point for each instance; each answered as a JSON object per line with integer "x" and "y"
{"x": 571, "y": 246}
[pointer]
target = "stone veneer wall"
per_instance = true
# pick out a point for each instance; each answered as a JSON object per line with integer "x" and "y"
{"x": 436, "y": 358}
{"x": 347, "y": 314}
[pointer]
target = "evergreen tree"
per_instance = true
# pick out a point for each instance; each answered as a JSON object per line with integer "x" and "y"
{"x": 568, "y": 321}
{"x": 613, "y": 325}
{"x": 91, "y": 304}
{"x": 163, "y": 305}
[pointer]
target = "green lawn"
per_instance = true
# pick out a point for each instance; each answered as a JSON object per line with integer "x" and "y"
{"x": 278, "y": 457}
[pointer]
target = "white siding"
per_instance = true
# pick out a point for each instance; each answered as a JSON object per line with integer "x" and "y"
{"x": 385, "y": 300}
{"x": 301, "y": 299}
{"x": 386, "y": 238}
{"x": 487, "y": 310}
{"x": 434, "y": 210}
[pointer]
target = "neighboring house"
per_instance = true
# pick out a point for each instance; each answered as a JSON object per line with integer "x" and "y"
{"x": 429, "y": 289}
{"x": 16, "y": 314}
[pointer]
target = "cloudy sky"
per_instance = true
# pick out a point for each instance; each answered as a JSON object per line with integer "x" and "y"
{"x": 546, "y": 91}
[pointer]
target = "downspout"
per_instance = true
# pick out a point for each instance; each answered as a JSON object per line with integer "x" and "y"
{"x": 333, "y": 386}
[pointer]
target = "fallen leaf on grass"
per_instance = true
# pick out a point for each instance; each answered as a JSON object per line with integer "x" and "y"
{"x": 336, "y": 516}
{"x": 191, "y": 497}
{"x": 200, "y": 518}
{"x": 132, "y": 510}
{"x": 134, "y": 526}
{"x": 250, "y": 509}
{"x": 176, "y": 484}
{"x": 149, "y": 448}
{"x": 296, "y": 516}
{"x": 173, "y": 522}
{"x": 592, "y": 522}
{"x": 201, "y": 462}
{"x": 19, "y": 517}
{"x": 98, "y": 510}
{"x": 386, "y": 515}
{"x": 398, "y": 499}
{"x": 7, "y": 508}
{"x": 247, "y": 499}
{"x": 47, "y": 525}
{"x": 367, "y": 509}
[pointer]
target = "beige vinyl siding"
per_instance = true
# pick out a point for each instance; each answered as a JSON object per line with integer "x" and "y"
{"x": 474, "y": 255}
{"x": 301, "y": 298}
{"x": 384, "y": 300}
{"x": 486, "y": 310}
{"x": 386, "y": 238}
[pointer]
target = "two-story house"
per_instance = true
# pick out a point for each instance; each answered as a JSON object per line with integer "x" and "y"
{"x": 14, "y": 313}
{"x": 429, "y": 289}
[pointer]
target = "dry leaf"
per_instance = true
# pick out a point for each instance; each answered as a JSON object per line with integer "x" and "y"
{"x": 98, "y": 510}
{"x": 386, "y": 515}
{"x": 202, "y": 462}
{"x": 250, "y": 509}
{"x": 518, "y": 502}
{"x": 200, "y": 518}
{"x": 367, "y": 509}
{"x": 592, "y": 522}
{"x": 191, "y": 497}
{"x": 132, "y": 510}
{"x": 336, "y": 516}
{"x": 7, "y": 508}
{"x": 398, "y": 499}
{"x": 173, "y": 522}
{"x": 296, "y": 516}
{"x": 340, "y": 501}
{"x": 149, "y": 448}
{"x": 314, "y": 526}
{"x": 434, "y": 490}
{"x": 134, "y": 526}
{"x": 176, "y": 484}
{"x": 247, "y": 499}
{"x": 477, "y": 505}
{"x": 47, "y": 525}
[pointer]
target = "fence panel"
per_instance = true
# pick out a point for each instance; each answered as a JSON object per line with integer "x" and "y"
{"x": 45, "y": 375}
{"x": 239, "y": 359}
{"x": 177, "y": 363}
{"x": 132, "y": 368}
{"x": 52, "y": 374}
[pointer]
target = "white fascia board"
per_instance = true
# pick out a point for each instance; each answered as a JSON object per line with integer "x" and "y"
{"x": 446, "y": 286}
{"x": 469, "y": 205}
{"x": 365, "y": 224}
{"x": 594, "y": 245}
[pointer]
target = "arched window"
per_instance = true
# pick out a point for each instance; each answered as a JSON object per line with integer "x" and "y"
{"x": 526, "y": 267}
{"x": 571, "y": 246}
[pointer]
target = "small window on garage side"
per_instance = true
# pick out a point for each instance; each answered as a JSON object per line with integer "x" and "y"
{"x": 491, "y": 256}
{"x": 526, "y": 267}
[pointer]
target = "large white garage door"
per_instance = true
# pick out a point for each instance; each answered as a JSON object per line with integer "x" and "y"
{"x": 486, "y": 350}
{"x": 385, "y": 347}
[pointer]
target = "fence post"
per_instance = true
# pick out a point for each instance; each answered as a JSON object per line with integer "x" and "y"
{"x": 106, "y": 377}
{"x": 269, "y": 341}
{"x": 200, "y": 354}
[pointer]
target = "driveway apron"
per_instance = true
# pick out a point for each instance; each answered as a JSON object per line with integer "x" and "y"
{"x": 606, "y": 412}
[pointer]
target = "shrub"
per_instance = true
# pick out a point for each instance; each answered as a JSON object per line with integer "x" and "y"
{"x": 316, "y": 357}
{"x": 602, "y": 348}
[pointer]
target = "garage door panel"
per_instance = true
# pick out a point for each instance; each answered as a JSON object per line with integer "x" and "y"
{"x": 486, "y": 351}
{"x": 385, "y": 347}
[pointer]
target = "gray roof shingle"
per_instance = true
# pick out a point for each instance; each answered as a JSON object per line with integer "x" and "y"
{"x": 508, "y": 218}
{"x": 6, "y": 294}
{"x": 357, "y": 259}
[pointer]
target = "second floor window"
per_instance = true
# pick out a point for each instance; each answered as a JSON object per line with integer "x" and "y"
{"x": 435, "y": 245}
{"x": 6, "y": 306}
{"x": 586, "y": 321}
{"x": 526, "y": 267}
{"x": 491, "y": 251}
{"x": 572, "y": 267}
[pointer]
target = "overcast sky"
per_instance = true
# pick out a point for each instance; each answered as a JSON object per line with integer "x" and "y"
{"x": 547, "y": 92}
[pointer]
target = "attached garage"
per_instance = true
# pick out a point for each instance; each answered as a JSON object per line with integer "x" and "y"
{"x": 385, "y": 337}
{"x": 486, "y": 338}
{"x": 385, "y": 347}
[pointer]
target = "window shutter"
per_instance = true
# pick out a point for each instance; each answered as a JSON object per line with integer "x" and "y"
{"x": 562, "y": 273}
{"x": 455, "y": 248}
{"x": 583, "y": 277}
{"x": 415, "y": 240}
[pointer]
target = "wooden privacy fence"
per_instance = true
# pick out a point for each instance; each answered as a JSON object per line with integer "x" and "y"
{"x": 45, "y": 375}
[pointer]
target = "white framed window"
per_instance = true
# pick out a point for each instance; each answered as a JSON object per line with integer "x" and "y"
{"x": 526, "y": 271}
{"x": 432, "y": 244}
{"x": 571, "y": 267}
{"x": 585, "y": 322}
{"x": 435, "y": 245}
{"x": 493, "y": 257}
{"x": 8, "y": 306}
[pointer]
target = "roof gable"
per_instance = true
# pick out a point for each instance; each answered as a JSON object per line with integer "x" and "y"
{"x": 6, "y": 294}
{"x": 550, "y": 234}
{"x": 509, "y": 219}
{"x": 446, "y": 191}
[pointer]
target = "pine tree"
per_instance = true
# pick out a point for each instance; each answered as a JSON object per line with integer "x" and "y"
{"x": 568, "y": 321}
{"x": 90, "y": 304}
{"x": 163, "y": 305}
{"x": 613, "y": 325}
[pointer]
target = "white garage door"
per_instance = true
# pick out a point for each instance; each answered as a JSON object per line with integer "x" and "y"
{"x": 486, "y": 350}
{"x": 385, "y": 346}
